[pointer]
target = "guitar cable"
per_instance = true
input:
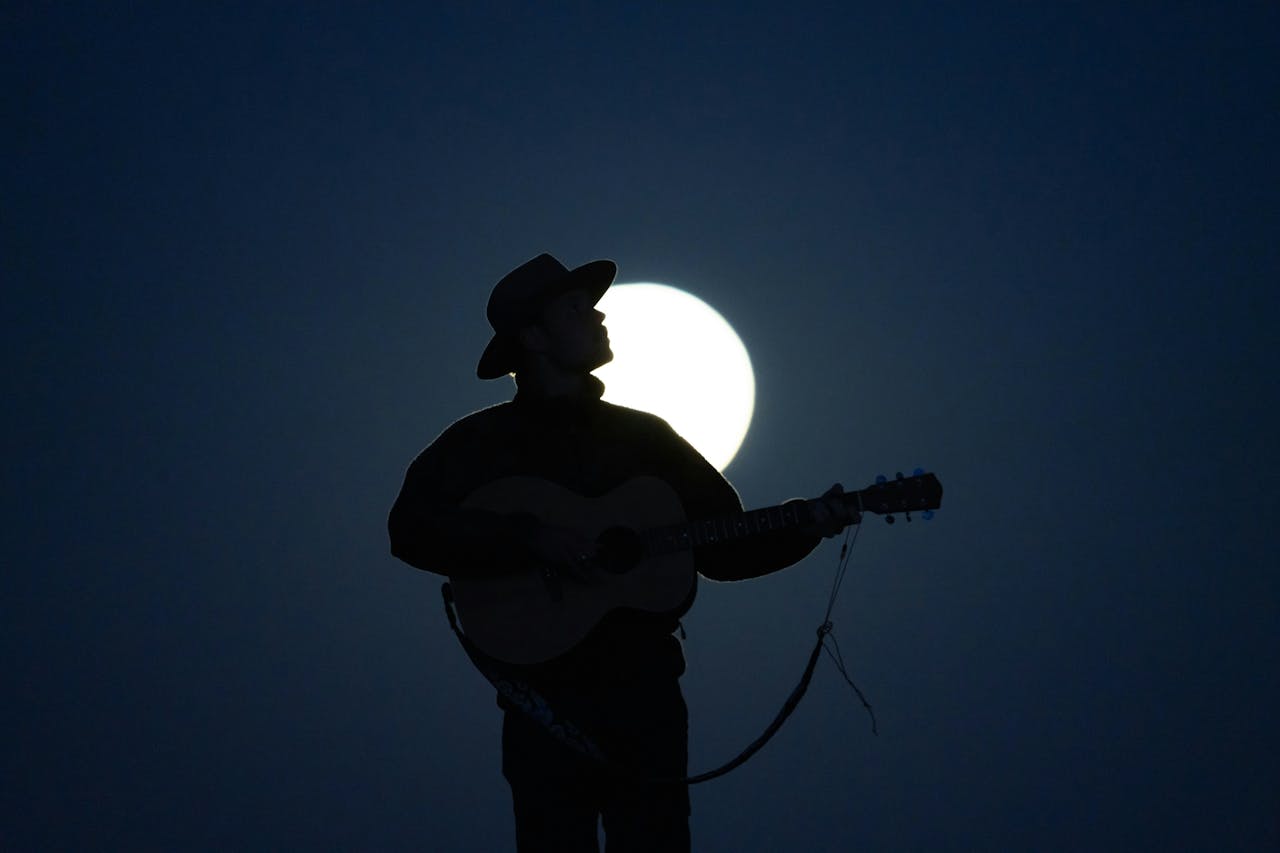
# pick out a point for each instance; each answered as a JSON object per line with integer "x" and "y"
{"x": 842, "y": 565}
{"x": 526, "y": 699}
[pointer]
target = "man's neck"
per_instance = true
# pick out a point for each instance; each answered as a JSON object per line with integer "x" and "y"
{"x": 545, "y": 385}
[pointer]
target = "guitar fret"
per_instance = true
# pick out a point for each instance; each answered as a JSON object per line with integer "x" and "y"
{"x": 672, "y": 538}
{"x": 726, "y": 528}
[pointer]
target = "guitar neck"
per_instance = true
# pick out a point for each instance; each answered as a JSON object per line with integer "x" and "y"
{"x": 727, "y": 528}
{"x": 920, "y": 491}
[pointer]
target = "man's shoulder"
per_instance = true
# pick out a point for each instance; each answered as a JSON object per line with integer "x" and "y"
{"x": 636, "y": 416}
{"x": 636, "y": 419}
{"x": 481, "y": 422}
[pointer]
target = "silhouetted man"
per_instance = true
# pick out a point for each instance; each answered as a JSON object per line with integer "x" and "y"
{"x": 618, "y": 683}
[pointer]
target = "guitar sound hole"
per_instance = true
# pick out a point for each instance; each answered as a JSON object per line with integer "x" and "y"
{"x": 620, "y": 550}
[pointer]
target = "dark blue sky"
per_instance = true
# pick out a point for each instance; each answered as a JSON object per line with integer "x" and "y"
{"x": 1032, "y": 247}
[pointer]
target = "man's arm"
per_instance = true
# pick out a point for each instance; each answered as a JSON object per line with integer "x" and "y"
{"x": 430, "y": 529}
{"x": 706, "y": 493}
{"x": 457, "y": 541}
{"x": 827, "y": 515}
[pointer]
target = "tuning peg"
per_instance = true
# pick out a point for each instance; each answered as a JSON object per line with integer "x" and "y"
{"x": 907, "y": 514}
{"x": 899, "y": 476}
{"x": 888, "y": 519}
{"x": 881, "y": 479}
{"x": 927, "y": 515}
{"x": 919, "y": 472}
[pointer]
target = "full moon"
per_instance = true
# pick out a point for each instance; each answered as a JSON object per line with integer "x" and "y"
{"x": 675, "y": 356}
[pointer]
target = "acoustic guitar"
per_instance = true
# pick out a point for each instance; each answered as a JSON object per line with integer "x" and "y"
{"x": 643, "y": 561}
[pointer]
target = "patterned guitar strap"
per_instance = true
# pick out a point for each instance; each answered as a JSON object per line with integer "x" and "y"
{"x": 531, "y": 703}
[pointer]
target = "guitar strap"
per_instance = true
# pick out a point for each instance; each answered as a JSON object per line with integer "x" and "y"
{"x": 524, "y": 697}
{"x": 519, "y": 693}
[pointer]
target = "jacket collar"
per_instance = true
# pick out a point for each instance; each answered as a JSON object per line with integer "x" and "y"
{"x": 586, "y": 398}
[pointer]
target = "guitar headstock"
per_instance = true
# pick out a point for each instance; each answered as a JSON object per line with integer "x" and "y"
{"x": 920, "y": 492}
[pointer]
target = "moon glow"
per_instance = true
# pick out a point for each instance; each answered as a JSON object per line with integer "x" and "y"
{"x": 675, "y": 356}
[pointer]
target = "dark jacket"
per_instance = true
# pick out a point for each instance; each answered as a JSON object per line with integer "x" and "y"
{"x": 590, "y": 447}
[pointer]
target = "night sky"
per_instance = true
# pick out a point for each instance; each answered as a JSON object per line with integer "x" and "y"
{"x": 1031, "y": 247}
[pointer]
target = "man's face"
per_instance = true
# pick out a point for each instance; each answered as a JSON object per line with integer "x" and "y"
{"x": 574, "y": 334}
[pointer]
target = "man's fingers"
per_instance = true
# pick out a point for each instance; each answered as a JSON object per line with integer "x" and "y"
{"x": 830, "y": 514}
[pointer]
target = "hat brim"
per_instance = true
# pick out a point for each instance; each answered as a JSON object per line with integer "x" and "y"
{"x": 501, "y": 356}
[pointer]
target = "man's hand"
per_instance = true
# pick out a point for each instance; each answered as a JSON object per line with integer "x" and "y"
{"x": 565, "y": 550}
{"x": 830, "y": 513}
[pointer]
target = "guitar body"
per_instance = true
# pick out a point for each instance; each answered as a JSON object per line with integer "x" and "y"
{"x": 529, "y": 615}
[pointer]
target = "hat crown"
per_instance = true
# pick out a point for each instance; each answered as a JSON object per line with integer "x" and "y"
{"x": 521, "y": 292}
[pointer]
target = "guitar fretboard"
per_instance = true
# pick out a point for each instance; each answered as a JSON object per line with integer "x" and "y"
{"x": 726, "y": 528}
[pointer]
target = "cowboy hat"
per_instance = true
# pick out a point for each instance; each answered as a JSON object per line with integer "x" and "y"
{"x": 522, "y": 293}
